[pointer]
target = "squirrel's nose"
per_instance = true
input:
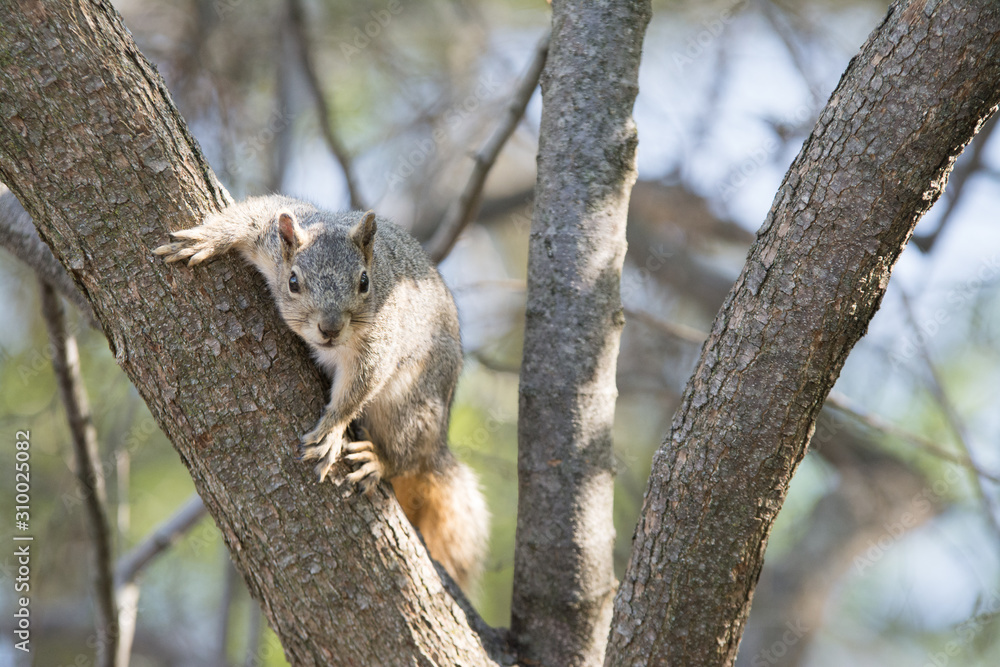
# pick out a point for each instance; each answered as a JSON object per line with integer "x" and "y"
{"x": 330, "y": 327}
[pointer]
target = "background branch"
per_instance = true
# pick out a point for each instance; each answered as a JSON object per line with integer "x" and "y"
{"x": 66, "y": 363}
{"x": 952, "y": 418}
{"x": 462, "y": 211}
{"x": 159, "y": 539}
{"x": 844, "y": 404}
{"x": 303, "y": 46}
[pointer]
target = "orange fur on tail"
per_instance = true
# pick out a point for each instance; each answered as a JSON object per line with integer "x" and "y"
{"x": 448, "y": 509}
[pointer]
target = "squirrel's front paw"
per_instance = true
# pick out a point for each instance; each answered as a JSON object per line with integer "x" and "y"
{"x": 368, "y": 469}
{"x": 326, "y": 448}
{"x": 195, "y": 245}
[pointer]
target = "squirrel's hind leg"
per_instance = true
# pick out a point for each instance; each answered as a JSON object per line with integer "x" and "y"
{"x": 368, "y": 469}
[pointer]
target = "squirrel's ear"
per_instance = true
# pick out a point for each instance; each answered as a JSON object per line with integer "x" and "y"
{"x": 290, "y": 233}
{"x": 363, "y": 235}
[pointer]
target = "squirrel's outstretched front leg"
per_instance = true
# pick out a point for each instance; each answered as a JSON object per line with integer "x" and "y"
{"x": 198, "y": 243}
{"x": 250, "y": 226}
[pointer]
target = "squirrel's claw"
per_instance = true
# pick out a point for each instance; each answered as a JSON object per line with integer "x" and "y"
{"x": 368, "y": 469}
{"x": 323, "y": 469}
{"x": 191, "y": 233}
{"x": 194, "y": 244}
{"x": 174, "y": 252}
{"x": 327, "y": 449}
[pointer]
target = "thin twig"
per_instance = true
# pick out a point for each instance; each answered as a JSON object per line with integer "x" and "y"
{"x": 66, "y": 363}
{"x": 132, "y": 563}
{"x": 279, "y": 151}
{"x": 951, "y": 416}
{"x": 771, "y": 14}
{"x": 123, "y": 509}
{"x": 710, "y": 108}
{"x": 512, "y": 285}
{"x": 462, "y": 211}
{"x": 492, "y": 364}
{"x": 672, "y": 329}
{"x": 297, "y": 25}
{"x": 128, "y": 611}
{"x": 843, "y": 404}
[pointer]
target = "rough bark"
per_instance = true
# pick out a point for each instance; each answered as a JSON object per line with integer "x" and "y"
{"x": 19, "y": 236}
{"x": 915, "y": 95}
{"x": 94, "y": 148}
{"x": 563, "y": 570}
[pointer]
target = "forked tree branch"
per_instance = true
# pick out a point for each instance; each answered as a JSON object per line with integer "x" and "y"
{"x": 879, "y": 156}
{"x": 158, "y": 540}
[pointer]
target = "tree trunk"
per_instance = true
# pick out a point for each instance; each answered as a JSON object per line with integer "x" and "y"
{"x": 92, "y": 145}
{"x": 920, "y": 88}
{"x": 563, "y": 568}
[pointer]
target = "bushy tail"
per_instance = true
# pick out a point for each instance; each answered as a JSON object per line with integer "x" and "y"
{"x": 449, "y": 510}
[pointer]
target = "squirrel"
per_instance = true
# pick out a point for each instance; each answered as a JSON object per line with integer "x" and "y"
{"x": 380, "y": 321}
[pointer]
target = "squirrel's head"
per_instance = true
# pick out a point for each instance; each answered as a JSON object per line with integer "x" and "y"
{"x": 325, "y": 286}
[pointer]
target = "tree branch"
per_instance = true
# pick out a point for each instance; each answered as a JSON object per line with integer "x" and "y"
{"x": 462, "y": 211}
{"x": 953, "y": 420}
{"x": 844, "y": 404}
{"x": 674, "y": 330}
{"x": 156, "y": 542}
{"x": 92, "y": 145}
{"x": 66, "y": 363}
{"x": 915, "y": 95}
{"x": 563, "y": 565}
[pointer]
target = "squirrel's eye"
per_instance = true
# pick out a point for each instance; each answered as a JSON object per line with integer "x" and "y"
{"x": 363, "y": 283}
{"x": 293, "y": 283}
